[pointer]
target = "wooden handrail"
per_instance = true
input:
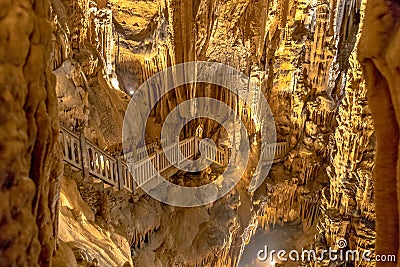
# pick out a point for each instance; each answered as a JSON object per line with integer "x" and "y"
{"x": 92, "y": 160}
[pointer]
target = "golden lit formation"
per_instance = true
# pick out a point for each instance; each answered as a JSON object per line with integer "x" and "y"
{"x": 194, "y": 133}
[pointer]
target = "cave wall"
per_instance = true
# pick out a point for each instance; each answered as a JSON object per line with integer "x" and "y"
{"x": 379, "y": 55}
{"x": 88, "y": 103}
{"x": 314, "y": 88}
{"x": 324, "y": 102}
{"x": 30, "y": 157}
{"x": 300, "y": 54}
{"x": 348, "y": 205}
{"x": 89, "y": 99}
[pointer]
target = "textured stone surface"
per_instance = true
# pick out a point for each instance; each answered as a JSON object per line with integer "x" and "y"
{"x": 349, "y": 209}
{"x": 317, "y": 95}
{"x": 82, "y": 56}
{"x": 379, "y": 54}
{"x": 305, "y": 72}
{"x": 298, "y": 51}
{"x": 302, "y": 55}
{"x": 29, "y": 158}
{"x": 89, "y": 242}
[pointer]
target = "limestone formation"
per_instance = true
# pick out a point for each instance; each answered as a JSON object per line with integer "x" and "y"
{"x": 349, "y": 209}
{"x": 328, "y": 72}
{"x": 378, "y": 52}
{"x": 30, "y": 163}
{"x": 313, "y": 89}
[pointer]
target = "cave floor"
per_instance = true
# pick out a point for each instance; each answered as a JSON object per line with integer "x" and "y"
{"x": 286, "y": 237}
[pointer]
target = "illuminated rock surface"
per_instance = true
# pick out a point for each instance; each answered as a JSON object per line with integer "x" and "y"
{"x": 302, "y": 55}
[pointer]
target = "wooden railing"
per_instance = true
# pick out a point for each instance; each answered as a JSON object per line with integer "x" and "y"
{"x": 214, "y": 154}
{"x": 277, "y": 151}
{"x": 92, "y": 160}
{"x": 148, "y": 168}
{"x": 148, "y": 162}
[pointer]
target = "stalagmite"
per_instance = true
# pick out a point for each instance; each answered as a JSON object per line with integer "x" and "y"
{"x": 298, "y": 54}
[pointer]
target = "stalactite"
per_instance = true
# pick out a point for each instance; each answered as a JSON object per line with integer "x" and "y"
{"x": 155, "y": 62}
{"x": 351, "y": 204}
{"x": 309, "y": 172}
{"x": 104, "y": 31}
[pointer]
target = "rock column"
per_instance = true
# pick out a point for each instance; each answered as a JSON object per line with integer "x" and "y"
{"x": 30, "y": 157}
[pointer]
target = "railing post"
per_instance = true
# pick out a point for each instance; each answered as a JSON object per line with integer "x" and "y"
{"x": 84, "y": 157}
{"x": 277, "y": 151}
{"x": 177, "y": 150}
{"x": 132, "y": 173}
{"x": 158, "y": 153}
{"x": 121, "y": 181}
{"x": 226, "y": 156}
{"x": 196, "y": 146}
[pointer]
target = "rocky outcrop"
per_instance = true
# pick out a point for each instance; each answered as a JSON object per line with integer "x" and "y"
{"x": 349, "y": 207}
{"x": 88, "y": 104}
{"x": 379, "y": 55}
{"x": 79, "y": 23}
{"x": 91, "y": 243}
{"x": 298, "y": 52}
{"x": 302, "y": 56}
{"x": 30, "y": 156}
{"x": 134, "y": 23}
{"x": 302, "y": 69}
{"x": 112, "y": 226}
{"x": 83, "y": 47}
